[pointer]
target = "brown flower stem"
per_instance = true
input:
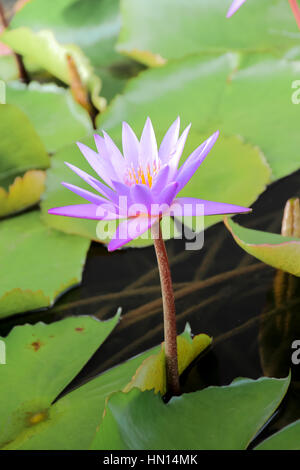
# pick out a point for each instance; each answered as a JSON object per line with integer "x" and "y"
{"x": 296, "y": 11}
{"x": 79, "y": 90}
{"x": 23, "y": 74}
{"x": 170, "y": 332}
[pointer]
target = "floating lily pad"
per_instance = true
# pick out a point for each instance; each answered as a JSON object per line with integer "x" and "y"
{"x": 286, "y": 439}
{"x": 37, "y": 263}
{"x": 22, "y": 154}
{"x": 278, "y": 251}
{"x": 71, "y": 422}
{"x": 155, "y": 31}
{"x": 41, "y": 360}
{"x": 235, "y": 97}
{"x": 93, "y": 25}
{"x": 56, "y": 117}
{"x": 216, "y": 418}
{"x": 8, "y": 68}
{"x": 151, "y": 375}
{"x": 35, "y": 419}
{"x": 24, "y": 192}
{"x": 265, "y": 115}
{"x": 45, "y": 51}
{"x": 20, "y": 147}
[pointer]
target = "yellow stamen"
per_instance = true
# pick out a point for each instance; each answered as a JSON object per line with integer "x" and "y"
{"x": 138, "y": 176}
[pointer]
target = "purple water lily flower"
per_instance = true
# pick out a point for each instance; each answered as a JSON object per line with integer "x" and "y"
{"x": 234, "y": 7}
{"x": 145, "y": 176}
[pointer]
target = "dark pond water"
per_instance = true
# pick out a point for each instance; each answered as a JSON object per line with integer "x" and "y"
{"x": 220, "y": 290}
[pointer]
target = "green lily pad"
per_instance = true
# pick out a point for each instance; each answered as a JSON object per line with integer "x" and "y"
{"x": 214, "y": 418}
{"x": 20, "y": 147}
{"x": 235, "y": 96}
{"x": 8, "y": 68}
{"x": 24, "y": 192}
{"x": 93, "y": 25}
{"x": 57, "y": 118}
{"x": 151, "y": 375}
{"x": 265, "y": 116}
{"x": 278, "y": 251}
{"x": 22, "y": 155}
{"x": 200, "y": 26}
{"x": 286, "y": 439}
{"x": 55, "y": 259}
{"x": 44, "y": 359}
{"x": 72, "y": 420}
{"x": 43, "y": 49}
{"x": 36, "y": 420}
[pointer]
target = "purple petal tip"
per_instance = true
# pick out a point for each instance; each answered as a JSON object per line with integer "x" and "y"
{"x": 52, "y": 211}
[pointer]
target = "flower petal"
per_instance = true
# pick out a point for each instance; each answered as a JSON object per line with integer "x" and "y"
{"x": 187, "y": 206}
{"x": 129, "y": 230}
{"x": 234, "y": 7}
{"x": 100, "y": 187}
{"x": 115, "y": 156}
{"x": 148, "y": 145}
{"x": 160, "y": 180}
{"x": 87, "y": 211}
{"x": 131, "y": 145}
{"x": 93, "y": 198}
{"x": 99, "y": 165}
{"x": 192, "y": 163}
{"x": 141, "y": 194}
{"x": 168, "y": 193}
{"x": 102, "y": 150}
{"x": 169, "y": 141}
{"x": 123, "y": 190}
{"x": 179, "y": 149}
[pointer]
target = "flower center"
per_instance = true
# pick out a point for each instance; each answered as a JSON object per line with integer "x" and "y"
{"x": 140, "y": 175}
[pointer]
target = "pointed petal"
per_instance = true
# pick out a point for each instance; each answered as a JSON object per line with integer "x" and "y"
{"x": 100, "y": 187}
{"x": 141, "y": 194}
{"x": 131, "y": 145}
{"x": 160, "y": 179}
{"x": 179, "y": 149}
{"x": 93, "y": 198}
{"x": 187, "y": 206}
{"x": 129, "y": 230}
{"x": 115, "y": 156}
{"x": 168, "y": 193}
{"x": 86, "y": 211}
{"x": 123, "y": 191}
{"x": 192, "y": 163}
{"x": 169, "y": 141}
{"x": 236, "y": 4}
{"x": 100, "y": 144}
{"x": 99, "y": 165}
{"x": 162, "y": 202}
{"x": 102, "y": 150}
{"x": 148, "y": 145}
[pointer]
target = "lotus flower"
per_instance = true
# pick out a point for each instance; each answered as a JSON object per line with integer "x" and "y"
{"x": 145, "y": 176}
